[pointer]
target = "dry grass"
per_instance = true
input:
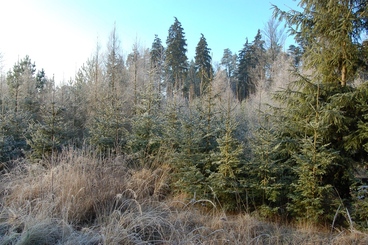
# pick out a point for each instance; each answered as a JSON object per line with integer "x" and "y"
{"x": 81, "y": 199}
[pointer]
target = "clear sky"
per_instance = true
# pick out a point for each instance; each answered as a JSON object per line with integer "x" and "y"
{"x": 60, "y": 35}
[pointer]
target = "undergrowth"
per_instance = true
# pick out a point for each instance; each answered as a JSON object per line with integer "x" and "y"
{"x": 78, "y": 198}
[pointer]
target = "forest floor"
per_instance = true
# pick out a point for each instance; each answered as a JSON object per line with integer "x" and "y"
{"x": 80, "y": 199}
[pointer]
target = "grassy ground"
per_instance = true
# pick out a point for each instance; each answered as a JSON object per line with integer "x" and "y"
{"x": 80, "y": 199}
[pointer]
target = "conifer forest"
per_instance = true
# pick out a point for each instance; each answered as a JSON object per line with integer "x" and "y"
{"x": 269, "y": 145}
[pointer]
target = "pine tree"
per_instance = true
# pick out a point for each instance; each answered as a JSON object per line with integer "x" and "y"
{"x": 207, "y": 129}
{"x": 269, "y": 172}
{"x": 176, "y": 58}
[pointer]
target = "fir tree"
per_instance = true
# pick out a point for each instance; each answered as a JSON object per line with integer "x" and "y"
{"x": 243, "y": 83}
{"x": 46, "y": 137}
{"x": 193, "y": 81}
{"x": 251, "y": 67}
{"x": 189, "y": 176}
{"x": 228, "y": 61}
{"x": 314, "y": 119}
{"x": 107, "y": 130}
{"x": 331, "y": 31}
{"x": 203, "y": 62}
{"x": 295, "y": 52}
{"x": 25, "y": 89}
{"x": 176, "y": 58}
{"x": 227, "y": 177}
{"x": 157, "y": 59}
{"x": 146, "y": 127}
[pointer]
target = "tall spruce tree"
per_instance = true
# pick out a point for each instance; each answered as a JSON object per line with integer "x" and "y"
{"x": 203, "y": 62}
{"x": 251, "y": 67}
{"x": 315, "y": 119}
{"x": 228, "y": 61}
{"x": 157, "y": 59}
{"x": 243, "y": 77}
{"x": 331, "y": 31}
{"x": 193, "y": 81}
{"x": 176, "y": 58}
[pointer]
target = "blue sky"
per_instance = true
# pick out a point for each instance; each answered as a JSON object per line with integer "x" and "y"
{"x": 60, "y": 35}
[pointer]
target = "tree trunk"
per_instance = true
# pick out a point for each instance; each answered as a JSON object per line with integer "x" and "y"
{"x": 343, "y": 75}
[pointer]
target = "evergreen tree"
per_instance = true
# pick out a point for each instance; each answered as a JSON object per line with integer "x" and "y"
{"x": 24, "y": 86}
{"x": 228, "y": 61}
{"x": 227, "y": 177}
{"x": 317, "y": 119}
{"x": 176, "y": 58}
{"x": 146, "y": 127}
{"x": 13, "y": 128}
{"x": 331, "y": 31}
{"x": 208, "y": 128}
{"x": 203, "y": 62}
{"x": 193, "y": 81}
{"x": 25, "y": 89}
{"x": 258, "y": 63}
{"x": 188, "y": 173}
{"x": 47, "y": 135}
{"x": 157, "y": 59}
{"x": 133, "y": 63}
{"x": 72, "y": 99}
{"x": 244, "y": 85}
{"x": 251, "y": 67}
{"x": 107, "y": 130}
{"x": 295, "y": 52}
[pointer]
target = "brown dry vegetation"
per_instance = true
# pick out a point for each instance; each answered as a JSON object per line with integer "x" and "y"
{"x": 81, "y": 199}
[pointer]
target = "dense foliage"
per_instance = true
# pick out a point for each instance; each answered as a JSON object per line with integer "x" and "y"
{"x": 281, "y": 134}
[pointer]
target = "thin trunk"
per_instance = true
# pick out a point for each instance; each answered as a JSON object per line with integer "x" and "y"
{"x": 343, "y": 75}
